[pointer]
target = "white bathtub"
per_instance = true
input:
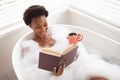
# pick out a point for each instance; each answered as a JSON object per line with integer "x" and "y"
{"x": 94, "y": 42}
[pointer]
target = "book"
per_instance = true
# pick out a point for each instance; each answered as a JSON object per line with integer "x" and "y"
{"x": 48, "y": 59}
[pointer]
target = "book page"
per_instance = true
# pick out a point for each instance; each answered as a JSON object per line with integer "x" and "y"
{"x": 69, "y": 48}
{"x": 51, "y": 52}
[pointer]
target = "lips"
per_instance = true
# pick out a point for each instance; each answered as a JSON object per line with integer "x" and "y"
{"x": 42, "y": 34}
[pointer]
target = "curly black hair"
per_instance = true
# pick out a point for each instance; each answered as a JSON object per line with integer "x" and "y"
{"x": 32, "y": 12}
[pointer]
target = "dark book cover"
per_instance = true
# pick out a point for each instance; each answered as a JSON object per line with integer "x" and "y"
{"x": 48, "y": 62}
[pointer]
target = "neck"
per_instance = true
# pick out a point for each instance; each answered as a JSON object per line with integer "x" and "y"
{"x": 38, "y": 38}
{"x": 44, "y": 41}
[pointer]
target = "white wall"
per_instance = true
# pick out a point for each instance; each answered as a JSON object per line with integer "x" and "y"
{"x": 89, "y": 22}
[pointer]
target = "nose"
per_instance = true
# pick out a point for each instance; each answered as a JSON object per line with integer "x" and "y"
{"x": 43, "y": 28}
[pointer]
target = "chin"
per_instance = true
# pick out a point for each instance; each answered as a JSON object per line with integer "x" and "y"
{"x": 42, "y": 35}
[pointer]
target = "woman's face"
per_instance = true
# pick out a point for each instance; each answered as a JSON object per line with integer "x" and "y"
{"x": 39, "y": 26}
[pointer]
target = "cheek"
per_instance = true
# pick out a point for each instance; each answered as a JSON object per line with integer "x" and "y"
{"x": 46, "y": 29}
{"x": 40, "y": 33}
{"x": 36, "y": 31}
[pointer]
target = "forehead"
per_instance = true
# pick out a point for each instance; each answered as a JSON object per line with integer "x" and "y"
{"x": 40, "y": 19}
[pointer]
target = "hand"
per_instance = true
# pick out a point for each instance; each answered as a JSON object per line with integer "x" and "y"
{"x": 59, "y": 71}
{"x": 80, "y": 37}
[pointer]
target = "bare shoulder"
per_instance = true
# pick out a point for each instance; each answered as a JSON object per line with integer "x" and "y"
{"x": 28, "y": 43}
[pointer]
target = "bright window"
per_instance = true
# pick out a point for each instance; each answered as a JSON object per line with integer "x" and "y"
{"x": 11, "y": 11}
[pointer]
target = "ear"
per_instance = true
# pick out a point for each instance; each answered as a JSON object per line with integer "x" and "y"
{"x": 30, "y": 25}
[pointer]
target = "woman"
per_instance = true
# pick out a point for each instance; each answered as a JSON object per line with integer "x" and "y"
{"x": 35, "y": 17}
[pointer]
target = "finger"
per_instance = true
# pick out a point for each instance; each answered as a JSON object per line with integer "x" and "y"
{"x": 54, "y": 70}
{"x": 67, "y": 37}
{"x": 59, "y": 70}
{"x": 63, "y": 67}
{"x": 79, "y": 34}
{"x": 81, "y": 37}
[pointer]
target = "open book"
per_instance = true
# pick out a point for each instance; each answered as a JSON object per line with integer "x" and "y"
{"x": 48, "y": 59}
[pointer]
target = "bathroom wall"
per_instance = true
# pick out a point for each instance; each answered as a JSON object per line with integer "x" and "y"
{"x": 84, "y": 20}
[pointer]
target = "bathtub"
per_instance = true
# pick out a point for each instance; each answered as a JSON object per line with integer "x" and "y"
{"x": 94, "y": 42}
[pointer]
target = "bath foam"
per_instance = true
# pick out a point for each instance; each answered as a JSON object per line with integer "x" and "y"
{"x": 86, "y": 66}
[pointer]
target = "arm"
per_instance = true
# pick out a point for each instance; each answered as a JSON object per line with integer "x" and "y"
{"x": 30, "y": 50}
{"x": 29, "y": 46}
